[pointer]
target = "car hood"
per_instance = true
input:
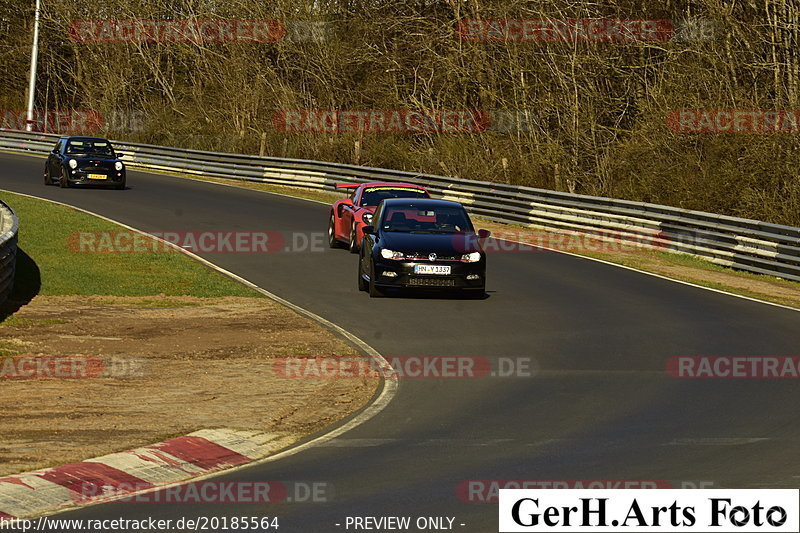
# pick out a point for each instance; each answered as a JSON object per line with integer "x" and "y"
{"x": 94, "y": 159}
{"x": 425, "y": 243}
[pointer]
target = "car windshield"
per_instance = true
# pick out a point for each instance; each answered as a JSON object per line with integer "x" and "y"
{"x": 426, "y": 219}
{"x": 372, "y": 196}
{"x": 89, "y": 147}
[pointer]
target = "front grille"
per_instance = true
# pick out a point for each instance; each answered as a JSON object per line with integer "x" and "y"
{"x": 424, "y": 257}
{"x": 432, "y": 282}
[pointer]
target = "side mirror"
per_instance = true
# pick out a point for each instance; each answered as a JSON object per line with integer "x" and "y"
{"x": 119, "y": 155}
{"x": 368, "y": 230}
{"x": 344, "y": 202}
{"x": 484, "y": 233}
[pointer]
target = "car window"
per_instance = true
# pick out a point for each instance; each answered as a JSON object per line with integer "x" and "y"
{"x": 372, "y": 196}
{"x": 89, "y": 147}
{"x": 426, "y": 219}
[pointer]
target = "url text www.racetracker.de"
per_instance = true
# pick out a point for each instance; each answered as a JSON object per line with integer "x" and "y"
{"x": 224, "y": 523}
{"x": 199, "y": 523}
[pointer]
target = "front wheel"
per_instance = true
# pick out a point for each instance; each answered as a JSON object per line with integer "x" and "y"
{"x": 64, "y": 181}
{"x": 47, "y": 180}
{"x": 333, "y": 242}
{"x": 353, "y": 245}
{"x": 362, "y": 283}
{"x": 374, "y": 291}
{"x": 120, "y": 186}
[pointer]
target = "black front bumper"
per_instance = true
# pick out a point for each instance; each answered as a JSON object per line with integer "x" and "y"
{"x": 458, "y": 279}
{"x": 81, "y": 177}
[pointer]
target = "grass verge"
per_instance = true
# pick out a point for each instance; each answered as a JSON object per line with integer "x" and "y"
{"x": 50, "y": 265}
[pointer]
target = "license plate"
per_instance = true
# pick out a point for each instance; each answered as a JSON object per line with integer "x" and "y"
{"x": 432, "y": 269}
{"x": 96, "y": 176}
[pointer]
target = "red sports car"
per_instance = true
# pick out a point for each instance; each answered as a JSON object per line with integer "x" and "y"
{"x": 349, "y": 215}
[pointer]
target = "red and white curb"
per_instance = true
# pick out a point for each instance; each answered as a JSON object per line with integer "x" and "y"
{"x": 122, "y": 474}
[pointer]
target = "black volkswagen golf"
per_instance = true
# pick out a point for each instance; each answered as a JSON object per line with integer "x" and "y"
{"x": 84, "y": 161}
{"x": 424, "y": 244}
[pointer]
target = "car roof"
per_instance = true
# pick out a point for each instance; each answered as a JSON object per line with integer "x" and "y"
{"x": 84, "y": 138}
{"x": 391, "y": 184}
{"x": 392, "y": 202}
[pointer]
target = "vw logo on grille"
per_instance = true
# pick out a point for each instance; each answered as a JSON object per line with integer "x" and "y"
{"x": 432, "y": 257}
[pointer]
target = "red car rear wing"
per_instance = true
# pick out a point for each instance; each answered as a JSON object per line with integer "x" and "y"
{"x": 347, "y": 185}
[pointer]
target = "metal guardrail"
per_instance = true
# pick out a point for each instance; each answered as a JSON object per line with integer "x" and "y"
{"x": 744, "y": 244}
{"x": 9, "y": 228}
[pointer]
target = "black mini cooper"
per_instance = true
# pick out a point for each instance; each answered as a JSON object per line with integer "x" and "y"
{"x": 84, "y": 161}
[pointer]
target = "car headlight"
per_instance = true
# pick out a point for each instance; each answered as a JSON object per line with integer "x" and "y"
{"x": 367, "y": 218}
{"x": 118, "y": 165}
{"x": 391, "y": 254}
{"x": 474, "y": 257}
{"x": 72, "y": 163}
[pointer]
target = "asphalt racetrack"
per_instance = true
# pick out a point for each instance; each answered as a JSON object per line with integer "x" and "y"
{"x": 599, "y": 405}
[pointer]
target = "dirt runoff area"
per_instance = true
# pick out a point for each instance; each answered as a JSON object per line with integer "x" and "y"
{"x": 118, "y": 373}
